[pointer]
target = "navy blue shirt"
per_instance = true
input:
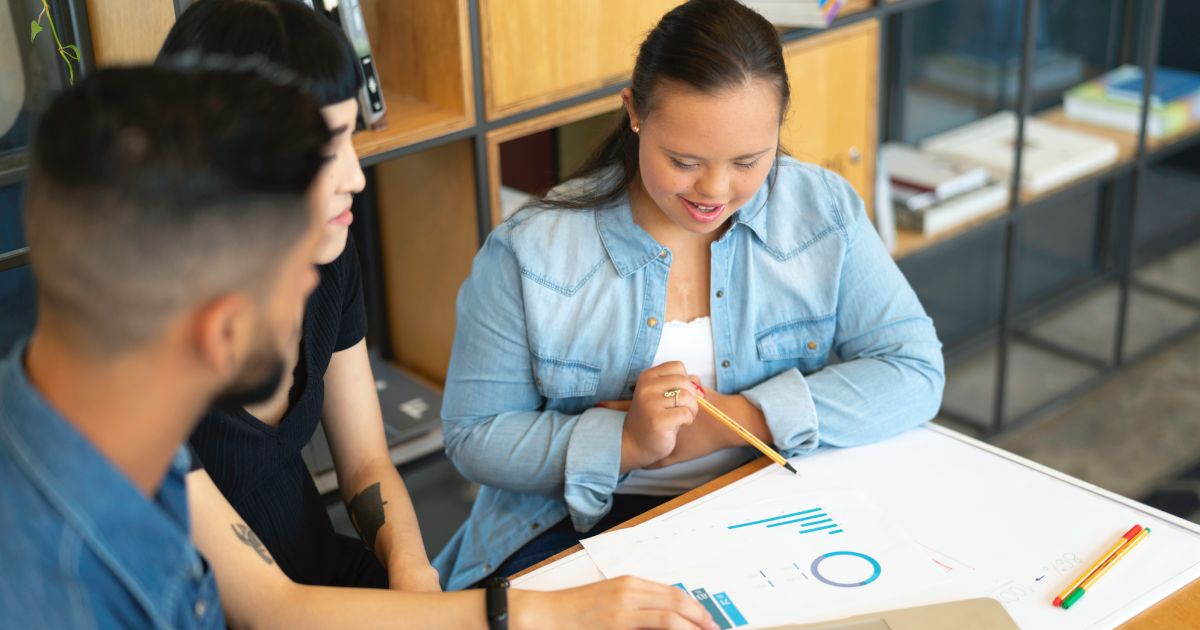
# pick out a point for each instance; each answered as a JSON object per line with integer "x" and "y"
{"x": 82, "y": 547}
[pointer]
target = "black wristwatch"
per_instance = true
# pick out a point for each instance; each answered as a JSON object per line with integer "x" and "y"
{"x": 497, "y": 604}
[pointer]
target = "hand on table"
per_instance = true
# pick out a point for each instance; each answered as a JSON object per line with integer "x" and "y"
{"x": 622, "y": 603}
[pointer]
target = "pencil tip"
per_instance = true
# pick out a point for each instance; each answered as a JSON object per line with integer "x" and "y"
{"x": 788, "y": 466}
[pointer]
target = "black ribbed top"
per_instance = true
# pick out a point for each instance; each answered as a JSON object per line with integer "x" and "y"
{"x": 258, "y": 467}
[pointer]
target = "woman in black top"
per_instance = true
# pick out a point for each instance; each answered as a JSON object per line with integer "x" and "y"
{"x": 253, "y": 454}
{"x": 254, "y": 507}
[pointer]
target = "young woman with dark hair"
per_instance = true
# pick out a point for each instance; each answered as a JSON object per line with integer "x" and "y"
{"x": 256, "y": 512}
{"x": 252, "y": 454}
{"x": 688, "y": 258}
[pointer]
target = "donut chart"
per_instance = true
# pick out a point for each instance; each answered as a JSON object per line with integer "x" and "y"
{"x": 872, "y": 563}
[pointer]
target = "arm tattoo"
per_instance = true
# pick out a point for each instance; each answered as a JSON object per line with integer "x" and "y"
{"x": 366, "y": 512}
{"x": 247, "y": 536}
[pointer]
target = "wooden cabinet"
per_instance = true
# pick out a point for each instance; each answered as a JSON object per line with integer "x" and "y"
{"x": 833, "y": 117}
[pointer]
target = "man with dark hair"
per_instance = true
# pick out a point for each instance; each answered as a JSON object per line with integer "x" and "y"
{"x": 171, "y": 239}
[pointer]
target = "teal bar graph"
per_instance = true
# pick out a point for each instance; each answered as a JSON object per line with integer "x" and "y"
{"x": 701, "y": 596}
{"x": 726, "y": 604}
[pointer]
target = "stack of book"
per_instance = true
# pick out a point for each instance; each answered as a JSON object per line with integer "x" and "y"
{"x": 797, "y": 13}
{"x": 932, "y": 194}
{"x": 1115, "y": 100}
{"x": 1051, "y": 156}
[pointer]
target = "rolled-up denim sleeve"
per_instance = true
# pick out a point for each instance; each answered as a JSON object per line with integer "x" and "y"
{"x": 890, "y": 375}
{"x": 496, "y": 429}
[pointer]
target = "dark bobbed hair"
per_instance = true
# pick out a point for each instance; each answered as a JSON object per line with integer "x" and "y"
{"x": 702, "y": 45}
{"x": 284, "y": 32}
{"x": 153, "y": 189}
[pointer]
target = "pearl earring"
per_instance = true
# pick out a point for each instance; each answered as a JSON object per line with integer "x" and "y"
{"x": 636, "y": 129}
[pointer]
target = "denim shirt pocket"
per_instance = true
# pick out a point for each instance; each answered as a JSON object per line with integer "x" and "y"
{"x": 558, "y": 378}
{"x": 803, "y": 344}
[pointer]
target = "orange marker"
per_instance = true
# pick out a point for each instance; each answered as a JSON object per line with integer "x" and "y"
{"x": 1074, "y": 597}
{"x": 1133, "y": 531}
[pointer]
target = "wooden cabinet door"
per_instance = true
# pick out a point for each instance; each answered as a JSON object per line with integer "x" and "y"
{"x": 833, "y": 117}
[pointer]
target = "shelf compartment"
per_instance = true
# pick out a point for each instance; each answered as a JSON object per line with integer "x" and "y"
{"x": 535, "y": 125}
{"x": 422, "y": 52}
{"x": 539, "y": 51}
{"x": 428, "y": 233}
{"x": 128, "y": 31}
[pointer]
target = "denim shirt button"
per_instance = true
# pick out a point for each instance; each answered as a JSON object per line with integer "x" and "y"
{"x": 201, "y": 606}
{"x": 725, "y": 363}
{"x": 535, "y": 527}
{"x": 812, "y": 345}
{"x": 652, "y": 322}
{"x": 662, "y": 254}
{"x": 720, "y": 294}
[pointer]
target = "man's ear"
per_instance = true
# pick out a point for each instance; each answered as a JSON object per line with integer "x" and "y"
{"x": 222, "y": 332}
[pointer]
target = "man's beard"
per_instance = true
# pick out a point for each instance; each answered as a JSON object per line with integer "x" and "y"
{"x": 257, "y": 383}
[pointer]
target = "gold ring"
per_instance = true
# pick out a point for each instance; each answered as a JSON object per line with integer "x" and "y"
{"x": 671, "y": 393}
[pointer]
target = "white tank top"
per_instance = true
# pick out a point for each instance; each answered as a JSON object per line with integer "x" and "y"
{"x": 691, "y": 343}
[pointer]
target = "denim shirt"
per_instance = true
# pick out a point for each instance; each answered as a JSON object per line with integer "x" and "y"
{"x": 82, "y": 547}
{"x": 812, "y": 322}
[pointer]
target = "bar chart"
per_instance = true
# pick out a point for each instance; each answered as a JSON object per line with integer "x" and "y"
{"x": 809, "y": 521}
{"x": 719, "y": 605}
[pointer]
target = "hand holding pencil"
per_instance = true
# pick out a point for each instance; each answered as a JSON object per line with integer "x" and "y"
{"x": 652, "y": 421}
{"x": 741, "y": 431}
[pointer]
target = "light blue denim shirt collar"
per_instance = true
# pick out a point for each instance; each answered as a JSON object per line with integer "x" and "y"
{"x": 630, "y": 247}
{"x": 143, "y": 543}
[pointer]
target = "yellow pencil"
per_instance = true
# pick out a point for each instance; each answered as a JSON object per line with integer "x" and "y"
{"x": 746, "y": 435}
{"x": 1074, "y": 597}
{"x": 1129, "y": 535}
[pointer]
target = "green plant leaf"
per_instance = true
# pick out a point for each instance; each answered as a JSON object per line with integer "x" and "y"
{"x": 72, "y": 51}
{"x": 34, "y": 29}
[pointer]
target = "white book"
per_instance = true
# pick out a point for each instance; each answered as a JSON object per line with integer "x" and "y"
{"x": 885, "y": 217}
{"x": 912, "y": 198}
{"x": 915, "y": 171}
{"x": 1052, "y": 155}
{"x": 797, "y": 13}
{"x": 954, "y": 212}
